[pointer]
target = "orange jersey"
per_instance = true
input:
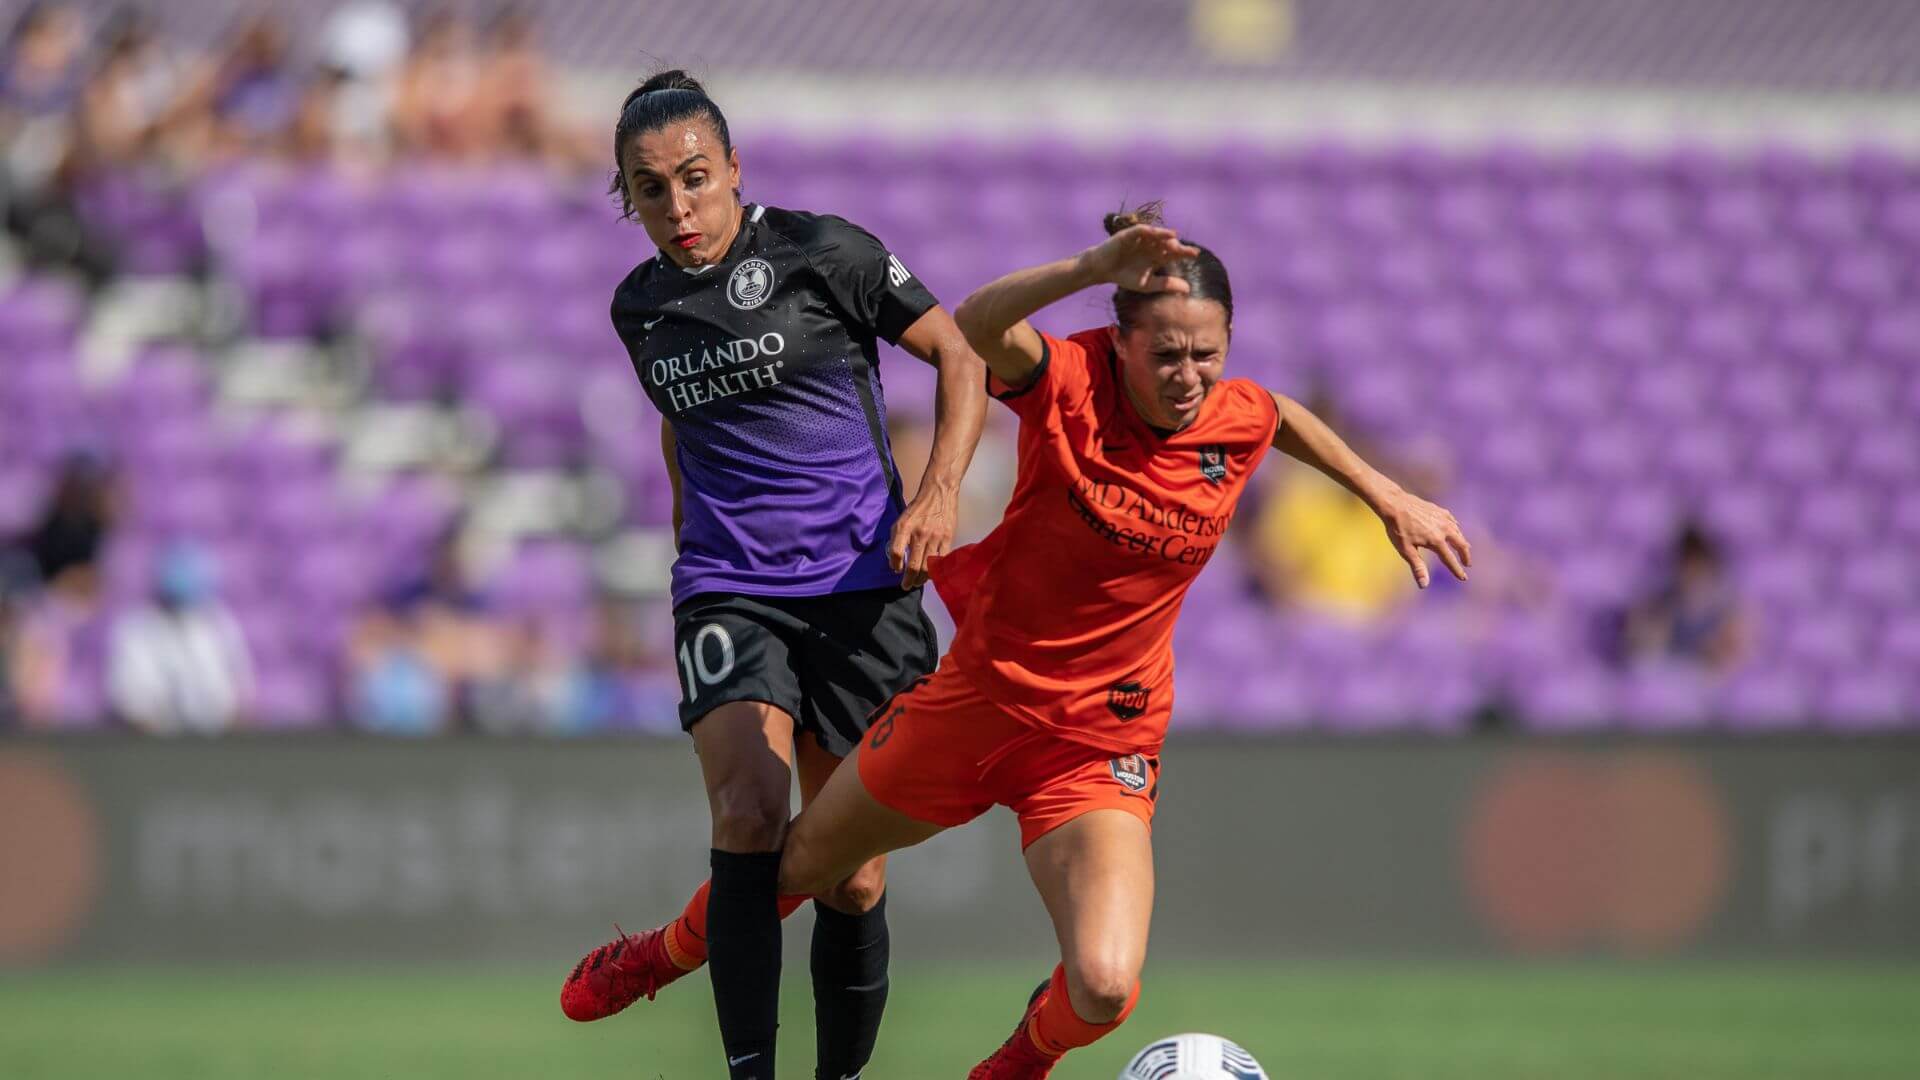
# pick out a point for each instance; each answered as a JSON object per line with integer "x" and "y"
{"x": 1066, "y": 610}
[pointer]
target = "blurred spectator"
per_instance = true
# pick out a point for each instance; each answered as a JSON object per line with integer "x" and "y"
{"x": 179, "y": 664}
{"x": 516, "y": 114}
{"x": 67, "y": 540}
{"x": 41, "y": 72}
{"x": 40, "y": 77}
{"x": 247, "y": 101}
{"x": 436, "y": 108}
{"x": 1317, "y": 547}
{"x": 128, "y": 99}
{"x": 1694, "y": 614}
{"x": 587, "y": 690}
{"x": 395, "y": 689}
{"x": 362, "y": 47}
{"x": 415, "y": 660}
{"x": 366, "y": 39}
{"x": 55, "y": 656}
{"x": 316, "y": 135}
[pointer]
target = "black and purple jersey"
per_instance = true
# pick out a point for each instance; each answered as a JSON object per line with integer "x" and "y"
{"x": 765, "y": 363}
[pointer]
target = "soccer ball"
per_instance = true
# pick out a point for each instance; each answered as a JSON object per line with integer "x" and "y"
{"x": 1193, "y": 1057}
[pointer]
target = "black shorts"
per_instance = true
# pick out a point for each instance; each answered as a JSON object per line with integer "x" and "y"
{"x": 829, "y": 661}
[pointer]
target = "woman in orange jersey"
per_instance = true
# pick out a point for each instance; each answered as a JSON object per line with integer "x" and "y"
{"x": 1055, "y": 695}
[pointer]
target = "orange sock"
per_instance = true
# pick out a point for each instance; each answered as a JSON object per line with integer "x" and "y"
{"x": 1056, "y": 1028}
{"x": 687, "y": 935}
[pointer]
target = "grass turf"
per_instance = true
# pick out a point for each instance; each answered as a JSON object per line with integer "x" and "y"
{"x": 1321, "y": 1023}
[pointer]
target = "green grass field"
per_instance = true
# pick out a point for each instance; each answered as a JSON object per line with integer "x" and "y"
{"x": 1327, "y": 1023}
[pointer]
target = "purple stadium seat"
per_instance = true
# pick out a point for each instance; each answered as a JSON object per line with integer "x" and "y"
{"x": 1841, "y": 517}
{"x": 1870, "y": 700}
{"x": 1898, "y": 647}
{"x": 1746, "y": 513}
{"x": 547, "y": 577}
{"x": 291, "y": 696}
{"x": 1666, "y": 698}
{"x": 1631, "y": 331}
{"x": 1786, "y": 577}
{"x": 1825, "y": 640}
{"x": 1609, "y": 342}
{"x": 1764, "y": 698}
{"x": 1572, "y": 697}
{"x": 1884, "y": 453}
{"x": 1866, "y": 275}
{"x": 1814, "y": 333}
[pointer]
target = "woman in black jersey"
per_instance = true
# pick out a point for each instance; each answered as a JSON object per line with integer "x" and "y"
{"x": 797, "y": 585}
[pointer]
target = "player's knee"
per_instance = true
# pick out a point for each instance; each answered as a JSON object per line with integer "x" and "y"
{"x": 802, "y": 873}
{"x": 746, "y": 818}
{"x": 1101, "y": 992}
{"x": 858, "y": 894}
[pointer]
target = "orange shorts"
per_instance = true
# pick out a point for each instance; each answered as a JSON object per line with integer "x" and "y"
{"x": 940, "y": 752}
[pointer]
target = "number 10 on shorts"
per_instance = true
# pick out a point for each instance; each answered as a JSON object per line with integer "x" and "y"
{"x": 693, "y": 659}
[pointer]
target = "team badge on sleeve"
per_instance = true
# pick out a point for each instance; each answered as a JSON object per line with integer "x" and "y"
{"x": 751, "y": 284}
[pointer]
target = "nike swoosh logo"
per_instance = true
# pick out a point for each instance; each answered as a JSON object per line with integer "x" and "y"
{"x": 649, "y": 325}
{"x": 732, "y": 1061}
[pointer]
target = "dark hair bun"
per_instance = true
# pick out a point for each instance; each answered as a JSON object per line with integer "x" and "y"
{"x": 672, "y": 79}
{"x": 1144, "y": 214}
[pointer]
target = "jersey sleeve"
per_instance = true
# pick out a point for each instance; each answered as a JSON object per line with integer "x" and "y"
{"x": 869, "y": 282}
{"x": 627, "y": 322}
{"x": 1261, "y": 411}
{"x": 1062, "y": 382}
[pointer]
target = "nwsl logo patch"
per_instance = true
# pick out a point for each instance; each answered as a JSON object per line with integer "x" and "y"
{"x": 1213, "y": 463}
{"x": 1131, "y": 771}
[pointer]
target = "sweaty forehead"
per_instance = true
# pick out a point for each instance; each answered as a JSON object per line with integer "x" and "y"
{"x": 663, "y": 149}
{"x": 1181, "y": 322}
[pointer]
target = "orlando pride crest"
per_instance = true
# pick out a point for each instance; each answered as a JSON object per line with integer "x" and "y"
{"x": 1128, "y": 700}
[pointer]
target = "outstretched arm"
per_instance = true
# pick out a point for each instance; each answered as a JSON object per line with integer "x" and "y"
{"x": 925, "y": 528}
{"x": 1412, "y": 523}
{"x": 994, "y": 318}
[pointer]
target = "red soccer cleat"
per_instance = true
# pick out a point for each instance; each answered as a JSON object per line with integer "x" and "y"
{"x": 617, "y": 974}
{"x": 1018, "y": 1058}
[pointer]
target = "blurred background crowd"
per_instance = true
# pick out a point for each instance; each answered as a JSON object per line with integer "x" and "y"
{"x": 311, "y": 416}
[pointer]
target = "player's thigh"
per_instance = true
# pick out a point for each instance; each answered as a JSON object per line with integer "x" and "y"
{"x": 730, "y": 648}
{"x": 862, "y": 888}
{"x": 1095, "y": 876}
{"x": 746, "y": 760}
{"x": 814, "y": 765}
{"x": 861, "y": 650}
{"x": 843, "y": 828}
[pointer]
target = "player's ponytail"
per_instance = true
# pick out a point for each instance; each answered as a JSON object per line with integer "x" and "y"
{"x": 1123, "y": 218}
{"x": 665, "y": 98}
{"x": 1205, "y": 274}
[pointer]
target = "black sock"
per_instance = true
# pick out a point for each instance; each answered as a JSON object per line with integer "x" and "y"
{"x": 849, "y": 987}
{"x": 743, "y": 959}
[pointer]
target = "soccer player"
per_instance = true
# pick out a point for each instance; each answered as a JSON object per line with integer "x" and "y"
{"x": 797, "y": 585}
{"x": 1055, "y": 696}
